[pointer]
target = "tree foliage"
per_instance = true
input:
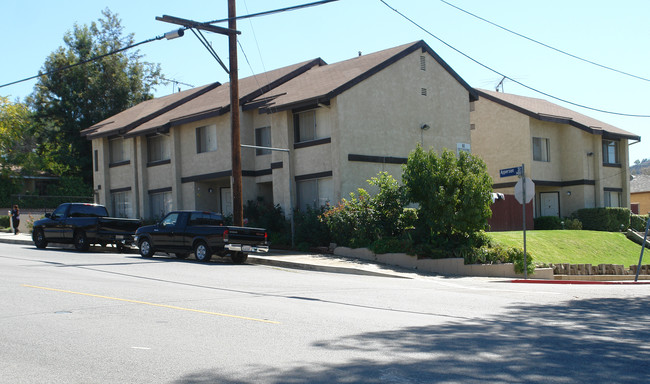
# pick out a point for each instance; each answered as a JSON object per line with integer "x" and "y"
{"x": 18, "y": 139}
{"x": 67, "y": 101}
{"x": 453, "y": 194}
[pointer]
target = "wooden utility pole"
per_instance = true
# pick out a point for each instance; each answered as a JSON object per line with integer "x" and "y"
{"x": 237, "y": 204}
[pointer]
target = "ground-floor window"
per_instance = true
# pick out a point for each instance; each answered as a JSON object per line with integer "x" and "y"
{"x": 612, "y": 199}
{"x": 121, "y": 204}
{"x": 160, "y": 204}
{"x": 314, "y": 193}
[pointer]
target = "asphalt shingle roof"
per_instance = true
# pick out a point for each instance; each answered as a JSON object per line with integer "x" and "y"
{"x": 544, "y": 110}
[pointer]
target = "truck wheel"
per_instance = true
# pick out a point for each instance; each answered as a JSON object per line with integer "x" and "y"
{"x": 39, "y": 238}
{"x": 81, "y": 242}
{"x": 181, "y": 255}
{"x": 202, "y": 252}
{"x": 238, "y": 257}
{"x": 146, "y": 250}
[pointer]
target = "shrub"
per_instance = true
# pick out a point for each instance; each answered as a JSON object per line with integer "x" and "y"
{"x": 309, "y": 230}
{"x": 269, "y": 217}
{"x": 453, "y": 194}
{"x": 604, "y": 219}
{"x": 516, "y": 256}
{"x": 547, "y": 223}
{"x": 4, "y": 222}
{"x": 392, "y": 245}
{"x": 638, "y": 222}
{"x": 572, "y": 224}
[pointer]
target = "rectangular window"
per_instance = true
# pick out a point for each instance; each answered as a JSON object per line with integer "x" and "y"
{"x": 541, "y": 149}
{"x": 610, "y": 152}
{"x": 612, "y": 199}
{"x": 314, "y": 193}
{"x": 118, "y": 149}
{"x": 206, "y": 139}
{"x": 160, "y": 204}
{"x": 121, "y": 203}
{"x": 262, "y": 139}
{"x": 157, "y": 148}
{"x": 96, "y": 160}
{"x": 304, "y": 124}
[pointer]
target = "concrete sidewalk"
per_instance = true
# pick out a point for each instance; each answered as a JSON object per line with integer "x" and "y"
{"x": 285, "y": 259}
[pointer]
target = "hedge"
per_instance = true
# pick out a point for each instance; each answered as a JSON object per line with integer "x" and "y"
{"x": 604, "y": 219}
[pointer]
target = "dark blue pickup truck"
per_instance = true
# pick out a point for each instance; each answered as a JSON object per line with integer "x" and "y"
{"x": 83, "y": 224}
{"x": 202, "y": 233}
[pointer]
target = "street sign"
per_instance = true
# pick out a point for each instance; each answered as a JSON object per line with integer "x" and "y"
{"x": 519, "y": 190}
{"x": 514, "y": 171}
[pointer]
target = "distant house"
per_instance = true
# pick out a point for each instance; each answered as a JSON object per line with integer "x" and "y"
{"x": 640, "y": 194}
{"x": 575, "y": 161}
{"x": 341, "y": 122}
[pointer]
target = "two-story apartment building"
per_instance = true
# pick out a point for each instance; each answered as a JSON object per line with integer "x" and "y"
{"x": 342, "y": 123}
{"x": 575, "y": 161}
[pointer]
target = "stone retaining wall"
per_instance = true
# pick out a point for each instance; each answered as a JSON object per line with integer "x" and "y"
{"x": 600, "y": 269}
{"x": 453, "y": 266}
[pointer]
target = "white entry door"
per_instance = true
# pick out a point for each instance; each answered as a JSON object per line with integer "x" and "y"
{"x": 549, "y": 204}
{"x": 226, "y": 201}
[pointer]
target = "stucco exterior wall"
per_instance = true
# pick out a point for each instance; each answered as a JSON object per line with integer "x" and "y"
{"x": 501, "y": 137}
{"x": 382, "y": 116}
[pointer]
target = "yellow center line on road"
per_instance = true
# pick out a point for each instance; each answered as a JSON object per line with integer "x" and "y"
{"x": 153, "y": 304}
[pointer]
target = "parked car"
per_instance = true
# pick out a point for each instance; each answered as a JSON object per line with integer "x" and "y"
{"x": 202, "y": 233}
{"x": 83, "y": 224}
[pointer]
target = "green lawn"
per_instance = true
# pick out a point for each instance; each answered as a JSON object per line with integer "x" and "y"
{"x": 575, "y": 247}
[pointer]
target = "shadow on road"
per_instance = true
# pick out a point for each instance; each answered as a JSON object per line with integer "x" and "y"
{"x": 580, "y": 341}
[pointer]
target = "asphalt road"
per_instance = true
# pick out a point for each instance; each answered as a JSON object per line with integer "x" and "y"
{"x": 68, "y": 317}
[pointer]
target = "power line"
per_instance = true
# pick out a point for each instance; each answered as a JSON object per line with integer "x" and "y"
{"x": 162, "y": 37}
{"x": 546, "y": 45}
{"x": 506, "y": 76}
{"x": 265, "y": 13}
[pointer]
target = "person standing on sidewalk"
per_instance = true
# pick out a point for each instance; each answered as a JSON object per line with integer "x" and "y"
{"x": 15, "y": 218}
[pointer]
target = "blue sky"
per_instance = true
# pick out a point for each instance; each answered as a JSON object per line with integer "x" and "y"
{"x": 613, "y": 34}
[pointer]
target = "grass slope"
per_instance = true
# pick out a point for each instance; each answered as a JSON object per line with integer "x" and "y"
{"x": 575, "y": 247}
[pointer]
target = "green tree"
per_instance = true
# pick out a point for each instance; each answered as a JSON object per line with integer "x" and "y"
{"x": 18, "y": 140}
{"x": 67, "y": 101}
{"x": 453, "y": 194}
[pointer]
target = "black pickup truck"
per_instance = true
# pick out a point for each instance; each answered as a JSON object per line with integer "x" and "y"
{"x": 82, "y": 225}
{"x": 203, "y": 233}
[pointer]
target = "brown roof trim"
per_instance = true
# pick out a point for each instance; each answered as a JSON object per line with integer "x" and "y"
{"x": 274, "y": 84}
{"x": 124, "y": 130}
{"x": 558, "y": 119}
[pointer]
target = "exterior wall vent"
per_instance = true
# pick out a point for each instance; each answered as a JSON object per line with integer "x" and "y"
{"x": 423, "y": 91}
{"x": 423, "y": 63}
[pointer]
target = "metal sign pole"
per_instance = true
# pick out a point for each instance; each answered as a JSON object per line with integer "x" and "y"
{"x": 638, "y": 268}
{"x": 523, "y": 176}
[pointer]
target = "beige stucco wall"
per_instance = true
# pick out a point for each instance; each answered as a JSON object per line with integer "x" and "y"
{"x": 502, "y": 137}
{"x": 382, "y": 116}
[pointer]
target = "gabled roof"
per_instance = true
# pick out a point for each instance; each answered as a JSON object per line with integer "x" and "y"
{"x": 147, "y": 110}
{"x": 306, "y": 83}
{"x": 321, "y": 84}
{"x": 546, "y": 111}
{"x": 216, "y": 101}
{"x": 640, "y": 183}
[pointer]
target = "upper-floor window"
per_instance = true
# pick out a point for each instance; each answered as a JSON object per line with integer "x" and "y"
{"x": 610, "y": 152}
{"x": 541, "y": 150}
{"x": 304, "y": 124}
{"x": 206, "y": 138}
{"x": 157, "y": 148}
{"x": 118, "y": 150}
{"x": 262, "y": 139}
